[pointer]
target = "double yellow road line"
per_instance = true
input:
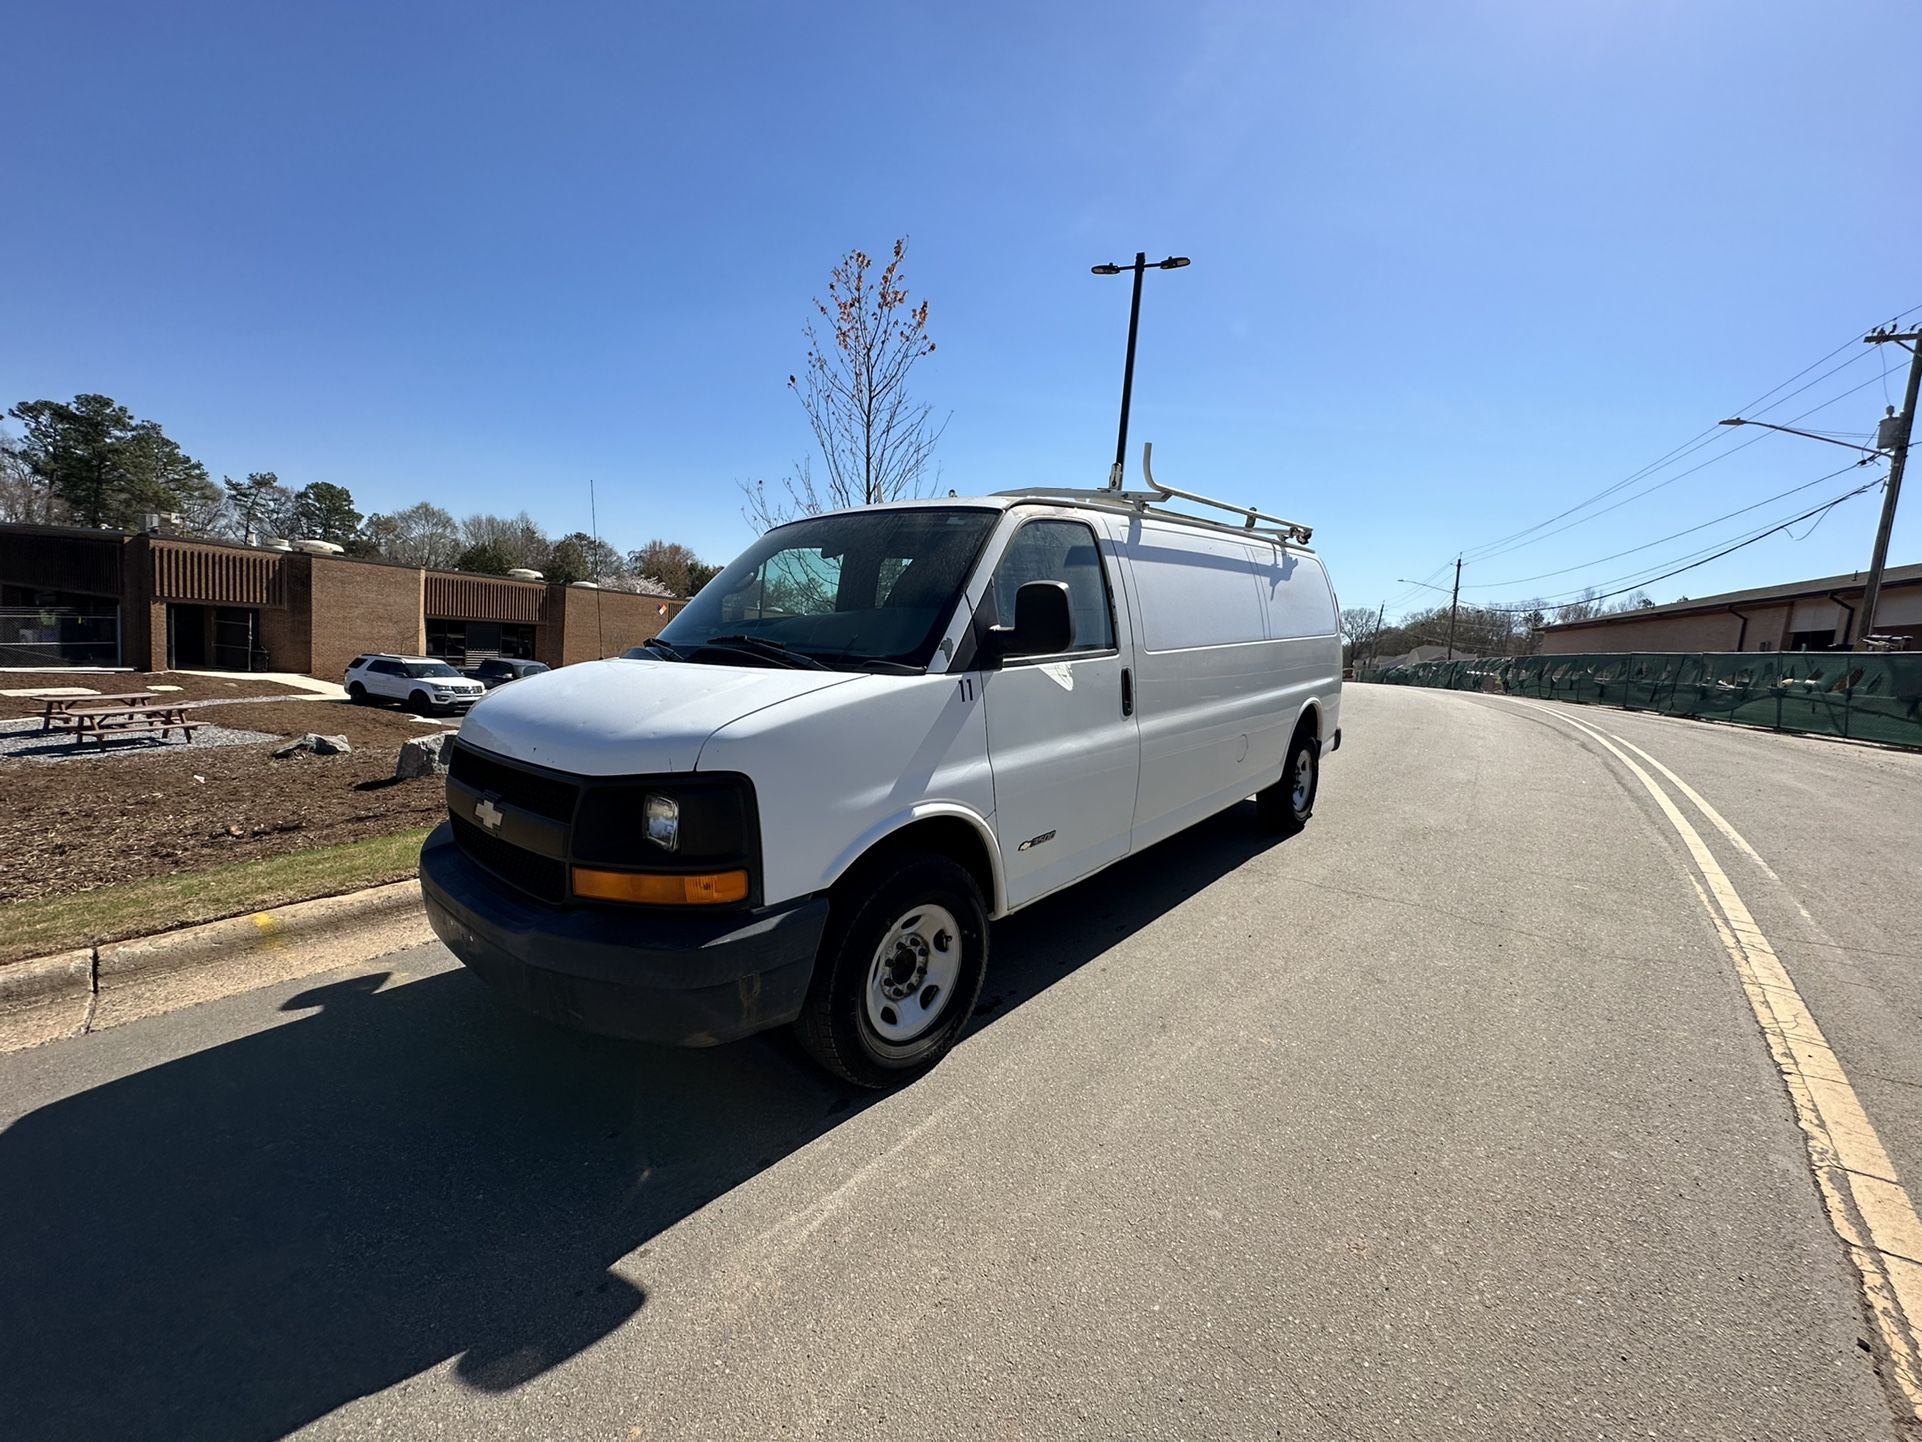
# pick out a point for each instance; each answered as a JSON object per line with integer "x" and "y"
{"x": 1871, "y": 1211}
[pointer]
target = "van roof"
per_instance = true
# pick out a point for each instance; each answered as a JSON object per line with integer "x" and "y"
{"x": 1110, "y": 502}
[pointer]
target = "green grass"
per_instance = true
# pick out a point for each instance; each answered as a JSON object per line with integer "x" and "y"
{"x": 47, "y": 924}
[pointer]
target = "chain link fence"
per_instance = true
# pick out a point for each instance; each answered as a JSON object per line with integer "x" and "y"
{"x": 1865, "y": 696}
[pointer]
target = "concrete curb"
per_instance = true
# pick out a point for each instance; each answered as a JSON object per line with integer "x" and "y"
{"x": 50, "y": 997}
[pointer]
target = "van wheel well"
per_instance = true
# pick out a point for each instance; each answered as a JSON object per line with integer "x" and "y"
{"x": 947, "y": 836}
{"x": 1310, "y": 722}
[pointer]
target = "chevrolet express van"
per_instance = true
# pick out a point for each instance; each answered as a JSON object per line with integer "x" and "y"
{"x": 875, "y": 732}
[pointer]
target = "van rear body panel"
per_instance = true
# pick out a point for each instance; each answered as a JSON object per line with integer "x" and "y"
{"x": 1237, "y": 640}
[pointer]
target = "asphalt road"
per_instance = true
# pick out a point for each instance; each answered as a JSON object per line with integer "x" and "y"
{"x": 1448, "y": 1118}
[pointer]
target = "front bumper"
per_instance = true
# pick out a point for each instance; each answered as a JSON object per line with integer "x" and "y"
{"x": 680, "y": 980}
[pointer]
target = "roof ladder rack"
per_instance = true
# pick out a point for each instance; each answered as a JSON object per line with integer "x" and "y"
{"x": 1148, "y": 502}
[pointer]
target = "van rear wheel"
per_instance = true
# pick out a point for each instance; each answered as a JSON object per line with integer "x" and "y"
{"x": 1285, "y": 807}
{"x": 899, "y": 972}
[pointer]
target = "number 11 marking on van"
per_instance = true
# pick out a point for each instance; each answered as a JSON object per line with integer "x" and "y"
{"x": 967, "y": 688}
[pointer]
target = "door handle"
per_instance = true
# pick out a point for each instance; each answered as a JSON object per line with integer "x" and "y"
{"x": 1127, "y": 692}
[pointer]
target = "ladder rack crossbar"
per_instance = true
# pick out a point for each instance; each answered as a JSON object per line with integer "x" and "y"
{"x": 1150, "y": 502}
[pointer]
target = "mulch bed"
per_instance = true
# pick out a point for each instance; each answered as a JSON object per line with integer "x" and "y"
{"x": 150, "y": 811}
{"x": 116, "y": 683}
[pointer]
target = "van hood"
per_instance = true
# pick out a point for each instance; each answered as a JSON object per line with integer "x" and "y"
{"x": 629, "y": 717}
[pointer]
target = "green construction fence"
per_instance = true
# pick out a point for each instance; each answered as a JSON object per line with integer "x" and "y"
{"x": 1865, "y": 696}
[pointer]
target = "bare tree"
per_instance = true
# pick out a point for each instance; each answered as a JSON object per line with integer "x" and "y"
{"x": 518, "y": 538}
{"x": 876, "y": 440}
{"x": 675, "y": 566}
{"x": 421, "y": 535}
{"x": 1357, "y": 630}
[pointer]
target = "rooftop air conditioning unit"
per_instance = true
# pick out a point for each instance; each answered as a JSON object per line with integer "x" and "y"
{"x": 318, "y": 548}
{"x": 585, "y": 585}
{"x": 275, "y": 543}
{"x": 523, "y": 573}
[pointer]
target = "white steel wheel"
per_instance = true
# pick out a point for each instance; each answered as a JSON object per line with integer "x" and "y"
{"x": 914, "y": 973}
{"x": 1303, "y": 790}
{"x": 1284, "y": 808}
{"x": 899, "y": 968}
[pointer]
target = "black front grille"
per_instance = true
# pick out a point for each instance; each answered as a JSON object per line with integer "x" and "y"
{"x": 541, "y": 877}
{"x": 543, "y": 795}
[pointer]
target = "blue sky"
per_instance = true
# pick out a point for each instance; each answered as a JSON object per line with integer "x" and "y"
{"x": 1456, "y": 267}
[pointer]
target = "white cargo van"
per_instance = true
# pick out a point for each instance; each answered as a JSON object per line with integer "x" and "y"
{"x": 869, "y": 736}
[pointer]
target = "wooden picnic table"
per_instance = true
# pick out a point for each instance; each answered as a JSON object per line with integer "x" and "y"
{"x": 101, "y": 723}
{"x": 54, "y": 708}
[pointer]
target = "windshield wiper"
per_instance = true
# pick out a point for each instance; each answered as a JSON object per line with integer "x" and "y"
{"x": 657, "y": 644}
{"x": 873, "y": 663}
{"x": 762, "y": 646}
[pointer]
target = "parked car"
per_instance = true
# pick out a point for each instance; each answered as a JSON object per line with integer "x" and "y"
{"x": 875, "y": 732}
{"x": 499, "y": 670}
{"x": 420, "y": 683}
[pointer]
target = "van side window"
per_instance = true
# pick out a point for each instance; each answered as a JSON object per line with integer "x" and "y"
{"x": 1059, "y": 551}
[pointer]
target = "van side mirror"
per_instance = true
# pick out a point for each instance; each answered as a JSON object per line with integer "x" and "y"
{"x": 1043, "y": 623}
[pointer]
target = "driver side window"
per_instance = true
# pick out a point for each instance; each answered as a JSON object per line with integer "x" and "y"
{"x": 1055, "y": 550}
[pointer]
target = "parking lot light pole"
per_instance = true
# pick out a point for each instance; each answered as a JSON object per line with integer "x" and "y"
{"x": 1140, "y": 267}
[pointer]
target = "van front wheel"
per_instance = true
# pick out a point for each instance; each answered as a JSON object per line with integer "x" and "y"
{"x": 1285, "y": 807}
{"x": 899, "y": 971}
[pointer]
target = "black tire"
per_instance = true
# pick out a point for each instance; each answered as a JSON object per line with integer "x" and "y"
{"x": 834, "y": 1026}
{"x": 357, "y": 693}
{"x": 419, "y": 704}
{"x": 1276, "y": 806}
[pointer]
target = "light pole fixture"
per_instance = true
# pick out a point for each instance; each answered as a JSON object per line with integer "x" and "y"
{"x": 1792, "y": 431}
{"x": 1140, "y": 267}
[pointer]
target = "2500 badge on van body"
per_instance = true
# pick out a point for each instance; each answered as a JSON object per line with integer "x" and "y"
{"x": 872, "y": 734}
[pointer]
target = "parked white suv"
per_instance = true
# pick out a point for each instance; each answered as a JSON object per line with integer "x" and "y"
{"x": 870, "y": 735}
{"x": 420, "y": 683}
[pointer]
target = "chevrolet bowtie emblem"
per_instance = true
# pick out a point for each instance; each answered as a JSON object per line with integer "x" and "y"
{"x": 488, "y": 814}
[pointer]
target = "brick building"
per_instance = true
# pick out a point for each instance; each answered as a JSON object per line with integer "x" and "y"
{"x": 1801, "y": 616}
{"x": 71, "y": 596}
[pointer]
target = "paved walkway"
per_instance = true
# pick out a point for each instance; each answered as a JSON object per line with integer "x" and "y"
{"x": 313, "y": 687}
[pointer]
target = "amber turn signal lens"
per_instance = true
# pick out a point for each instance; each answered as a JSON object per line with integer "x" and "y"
{"x": 656, "y": 890}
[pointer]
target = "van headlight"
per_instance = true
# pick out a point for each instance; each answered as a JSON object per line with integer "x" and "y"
{"x": 661, "y": 821}
{"x": 667, "y": 840}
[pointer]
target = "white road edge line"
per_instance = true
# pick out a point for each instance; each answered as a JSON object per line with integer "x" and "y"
{"x": 1880, "y": 1230}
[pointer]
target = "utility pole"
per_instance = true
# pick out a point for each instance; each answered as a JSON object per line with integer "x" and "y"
{"x": 1454, "y": 604}
{"x": 1374, "y": 639}
{"x": 1898, "y": 457}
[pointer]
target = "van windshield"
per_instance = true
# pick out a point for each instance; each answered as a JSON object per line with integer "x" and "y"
{"x": 857, "y": 591}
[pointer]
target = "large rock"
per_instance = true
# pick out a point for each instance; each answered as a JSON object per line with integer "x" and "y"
{"x": 423, "y": 756}
{"x": 318, "y": 745}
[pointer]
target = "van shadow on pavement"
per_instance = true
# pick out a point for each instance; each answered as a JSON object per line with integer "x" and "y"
{"x": 237, "y": 1242}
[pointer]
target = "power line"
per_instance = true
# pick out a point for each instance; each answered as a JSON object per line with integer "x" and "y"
{"x": 1728, "y": 550}
{"x": 1677, "y": 535}
{"x": 1644, "y": 575}
{"x": 1679, "y": 475}
{"x": 1700, "y": 441}
{"x": 1483, "y": 550}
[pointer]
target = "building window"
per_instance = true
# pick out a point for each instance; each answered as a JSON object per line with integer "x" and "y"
{"x": 1822, "y": 640}
{"x": 462, "y": 643}
{"x": 57, "y": 628}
